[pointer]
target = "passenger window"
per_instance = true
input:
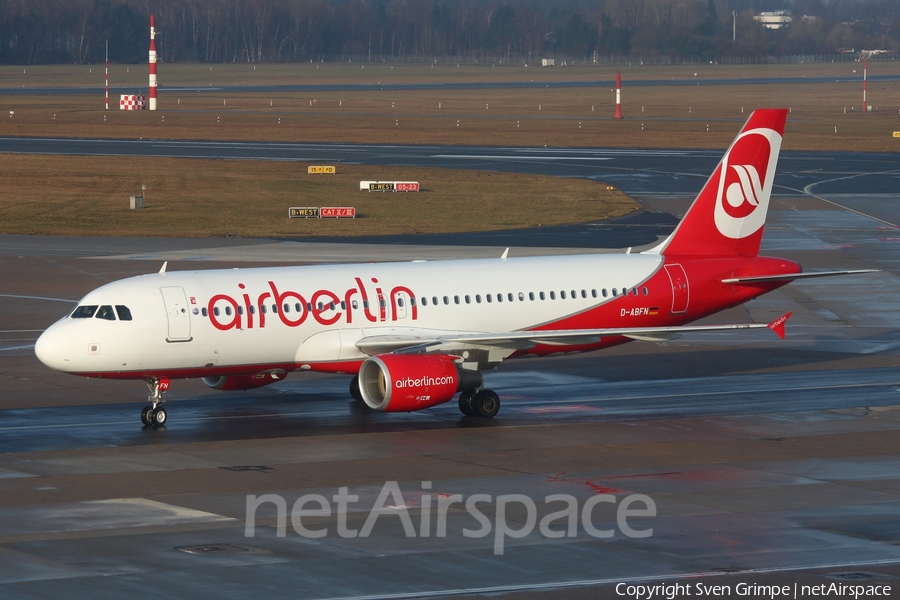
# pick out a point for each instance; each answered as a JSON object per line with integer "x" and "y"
{"x": 499, "y": 297}
{"x": 488, "y": 298}
{"x": 203, "y": 312}
{"x": 331, "y": 306}
{"x": 399, "y": 301}
{"x": 446, "y": 300}
{"x": 593, "y": 293}
{"x": 634, "y": 292}
{"x": 468, "y": 299}
{"x": 553, "y": 295}
{"x": 286, "y": 308}
{"x": 320, "y": 307}
{"x": 531, "y": 296}
{"x": 574, "y": 295}
{"x": 262, "y": 310}
{"x": 456, "y": 299}
{"x": 562, "y": 295}
{"x": 424, "y": 301}
{"x": 603, "y": 291}
{"x": 478, "y": 298}
{"x": 521, "y": 297}
{"x": 365, "y": 304}
{"x": 216, "y": 310}
{"x": 274, "y": 309}
{"x": 125, "y": 314}
{"x": 354, "y": 304}
{"x": 240, "y": 310}
{"x": 615, "y": 292}
{"x": 412, "y": 301}
{"x": 380, "y": 303}
{"x": 309, "y": 306}
{"x": 542, "y": 296}
{"x": 251, "y": 309}
{"x": 509, "y": 297}
{"x": 646, "y": 291}
{"x": 106, "y": 313}
{"x": 584, "y": 293}
{"x": 299, "y": 307}
{"x": 84, "y": 312}
{"x": 434, "y": 300}
{"x": 228, "y": 311}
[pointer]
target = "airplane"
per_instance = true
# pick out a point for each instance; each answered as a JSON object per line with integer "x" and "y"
{"x": 416, "y": 334}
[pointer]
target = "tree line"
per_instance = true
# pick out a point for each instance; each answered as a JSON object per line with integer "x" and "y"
{"x": 256, "y": 31}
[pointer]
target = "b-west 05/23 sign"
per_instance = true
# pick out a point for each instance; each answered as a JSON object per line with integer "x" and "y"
{"x": 389, "y": 186}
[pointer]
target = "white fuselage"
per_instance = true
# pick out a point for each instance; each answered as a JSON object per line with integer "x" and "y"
{"x": 191, "y": 323}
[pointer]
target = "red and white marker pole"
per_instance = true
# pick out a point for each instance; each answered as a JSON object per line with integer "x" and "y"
{"x": 152, "y": 62}
{"x": 107, "y": 75}
{"x": 618, "y": 95}
{"x": 865, "y": 77}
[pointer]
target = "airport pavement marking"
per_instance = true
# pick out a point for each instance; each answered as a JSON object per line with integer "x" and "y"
{"x": 808, "y": 190}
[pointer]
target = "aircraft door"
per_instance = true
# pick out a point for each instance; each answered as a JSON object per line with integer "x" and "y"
{"x": 178, "y": 313}
{"x": 680, "y": 290}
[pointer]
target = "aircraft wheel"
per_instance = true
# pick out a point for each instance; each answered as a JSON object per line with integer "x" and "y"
{"x": 467, "y": 403}
{"x": 354, "y": 389}
{"x": 145, "y": 415}
{"x": 486, "y": 403}
{"x": 159, "y": 417}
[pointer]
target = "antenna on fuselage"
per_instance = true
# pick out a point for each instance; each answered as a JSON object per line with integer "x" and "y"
{"x": 163, "y": 268}
{"x": 505, "y": 254}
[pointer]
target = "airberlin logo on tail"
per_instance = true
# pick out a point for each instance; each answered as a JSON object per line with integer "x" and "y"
{"x": 745, "y": 183}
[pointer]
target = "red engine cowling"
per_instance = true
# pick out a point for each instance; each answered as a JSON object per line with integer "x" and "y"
{"x": 405, "y": 383}
{"x": 243, "y": 382}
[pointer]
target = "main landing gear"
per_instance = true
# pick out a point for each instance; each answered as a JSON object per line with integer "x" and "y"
{"x": 481, "y": 403}
{"x": 155, "y": 415}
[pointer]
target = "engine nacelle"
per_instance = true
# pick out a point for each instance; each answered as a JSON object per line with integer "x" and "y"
{"x": 243, "y": 382}
{"x": 405, "y": 383}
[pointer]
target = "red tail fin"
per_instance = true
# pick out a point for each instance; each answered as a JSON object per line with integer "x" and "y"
{"x": 727, "y": 217}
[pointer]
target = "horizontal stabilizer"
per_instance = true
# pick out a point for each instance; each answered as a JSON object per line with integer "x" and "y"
{"x": 793, "y": 276}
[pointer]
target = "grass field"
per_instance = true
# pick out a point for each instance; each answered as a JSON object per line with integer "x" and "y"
{"x": 88, "y": 195}
{"x": 198, "y": 198}
{"x": 658, "y": 116}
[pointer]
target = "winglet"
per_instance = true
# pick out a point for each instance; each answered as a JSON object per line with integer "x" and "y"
{"x": 163, "y": 268}
{"x": 505, "y": 254}
{"x": 778, "y": 324}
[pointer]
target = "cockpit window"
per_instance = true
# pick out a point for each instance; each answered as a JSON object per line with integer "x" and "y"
{"x": 123, "y": 312}
{"x": 84, "y": 312}
{"x": 106, "y": 312}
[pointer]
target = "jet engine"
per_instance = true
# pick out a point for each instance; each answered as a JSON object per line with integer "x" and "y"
{"x": 243, "y": 382}
{"x": 406, "y": 383}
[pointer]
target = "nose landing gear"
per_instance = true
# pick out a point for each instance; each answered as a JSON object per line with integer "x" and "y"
{"x": 155, "y": 415}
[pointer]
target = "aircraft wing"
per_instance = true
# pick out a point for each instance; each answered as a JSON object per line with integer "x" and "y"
{"x": 793, "y": 276}
{"x": 425, "y": 342}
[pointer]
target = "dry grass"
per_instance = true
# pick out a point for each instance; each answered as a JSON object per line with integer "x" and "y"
{"x": 661, "y": 116}
{"x": 197, "y": 198}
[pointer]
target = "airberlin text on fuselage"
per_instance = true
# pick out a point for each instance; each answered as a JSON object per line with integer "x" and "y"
{"x": 325, "y": 306}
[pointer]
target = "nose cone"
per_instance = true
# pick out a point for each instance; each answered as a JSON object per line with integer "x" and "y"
{"x": 50, "y": 349}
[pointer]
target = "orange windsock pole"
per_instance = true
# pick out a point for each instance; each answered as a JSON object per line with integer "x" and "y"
{"x": 152, "y": 62}
{"x": 618, "y": 95}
